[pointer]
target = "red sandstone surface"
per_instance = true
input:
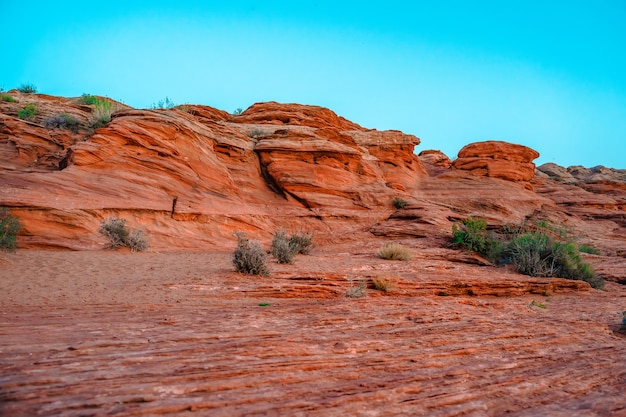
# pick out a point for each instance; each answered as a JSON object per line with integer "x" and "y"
{"x": 88, "y": 331}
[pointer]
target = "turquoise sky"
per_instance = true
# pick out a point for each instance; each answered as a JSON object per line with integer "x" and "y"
{"x": 547, "y": 74}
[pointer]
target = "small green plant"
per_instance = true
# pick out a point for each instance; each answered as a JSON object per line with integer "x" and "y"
{"x": 62, "y": 121}
{"x": 163, "y": 104}
{"x": 399, "y": 203}
{"x": 9, "y": 228}
{"x": 27, "y": 88}
{"x": 115, "y": 230}
{"x": 394, "y": 251}
{"x": 237, "y": 111}
{"x": 7, "y": 98}
{"x": 28, "y": 112}
{"x": 103, "y": 109}
{"x": 536, "y": 304}
{"x": 249, "y": 257}
{"x": 358, "y": 291}
{"x": 471, "y": 234}
{"x": 588, "y": 249}
{"x": 87, "y": 99}
{"x": 383, "y": 284}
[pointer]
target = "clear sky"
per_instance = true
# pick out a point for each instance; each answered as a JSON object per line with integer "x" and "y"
{"x": 547, "y": 74}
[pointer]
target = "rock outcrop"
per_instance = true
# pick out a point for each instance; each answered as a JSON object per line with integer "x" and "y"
{"x": 435, "y": 162}
{"x": 497, "y": 159}
{"x": 192, "y": 175}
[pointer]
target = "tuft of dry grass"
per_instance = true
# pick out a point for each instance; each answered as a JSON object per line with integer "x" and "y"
{"x": 394, "y": 251}
{"x": 358, "y": 291}
{"x": 383, "y": 284}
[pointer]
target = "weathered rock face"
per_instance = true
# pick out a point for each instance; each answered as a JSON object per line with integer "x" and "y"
{"x": 294, "y": 115}
{"x": 435, "y": 162}
{"x": 497, "y": 159}
{"x": 192, "y": 175}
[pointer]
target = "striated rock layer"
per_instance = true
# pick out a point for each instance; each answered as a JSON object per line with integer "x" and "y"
{"x": 114, "y": 333}
{"x": 498, "y": 159}
{"x": 192, "y": 175}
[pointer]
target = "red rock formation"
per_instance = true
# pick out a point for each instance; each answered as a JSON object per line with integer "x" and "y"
{"x": 221, "y": 174}
{"x": 435, "y": 162}
{"x": 226, "y": 173}
{"x": 497, "y": 159}
{"x": 294, "y": 115}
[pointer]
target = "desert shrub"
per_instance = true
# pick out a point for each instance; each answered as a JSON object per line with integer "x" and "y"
{"x": 302, "y": 242}
{"x": 394, "y": 251}
{"x": 27, "y": 88}
{"x": 570, "y": 265}
{"x": 538, "y": 255}
{"x": 137, "y": 241}
{"x": 87, "y": 99}
{"x": 256, "y": 132}
{"x": 28, "y": 112}
{"x": 284, "y": 248}
{"x": 588, "y": 249}
{"x": 399, "y": 203}
{"x": 103, "y": 109}
{"x": 537, "y": 249}
{"x": 358, "y": 291}
{"x": 165, "y": 103}
{"x": 7, "y": 98}
{"x": 531, "y": 254}
{"x": 249, "y": 257}
{"x": 115, "y": 230}
{"x": 237, "y": 111}
{"x": 9, "y": 228}
{"x": 383, "y": 284}
{"x": 547, "y": 227}
{"x": 62, "y": 121}
{"x": 471, "y": 234}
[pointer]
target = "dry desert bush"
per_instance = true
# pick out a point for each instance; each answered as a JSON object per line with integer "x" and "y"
{"x": 394, "y": 251}
{"x": 249, "y": 257}
{"x": 118, "y": 234}
{"x": 284, "y": 248}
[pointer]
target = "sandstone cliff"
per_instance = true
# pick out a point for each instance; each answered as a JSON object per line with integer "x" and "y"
{"x": 193, "y": 174}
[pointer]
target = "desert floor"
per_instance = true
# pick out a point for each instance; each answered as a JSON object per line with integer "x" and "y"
{"x": 120, "y": 333}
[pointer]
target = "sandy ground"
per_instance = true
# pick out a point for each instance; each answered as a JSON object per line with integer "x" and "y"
{"x": 120, "y": 333}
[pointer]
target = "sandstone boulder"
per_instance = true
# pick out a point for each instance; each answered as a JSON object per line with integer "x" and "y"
{"x": 435, "y": 162}
{"x": 497, "y": 159}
